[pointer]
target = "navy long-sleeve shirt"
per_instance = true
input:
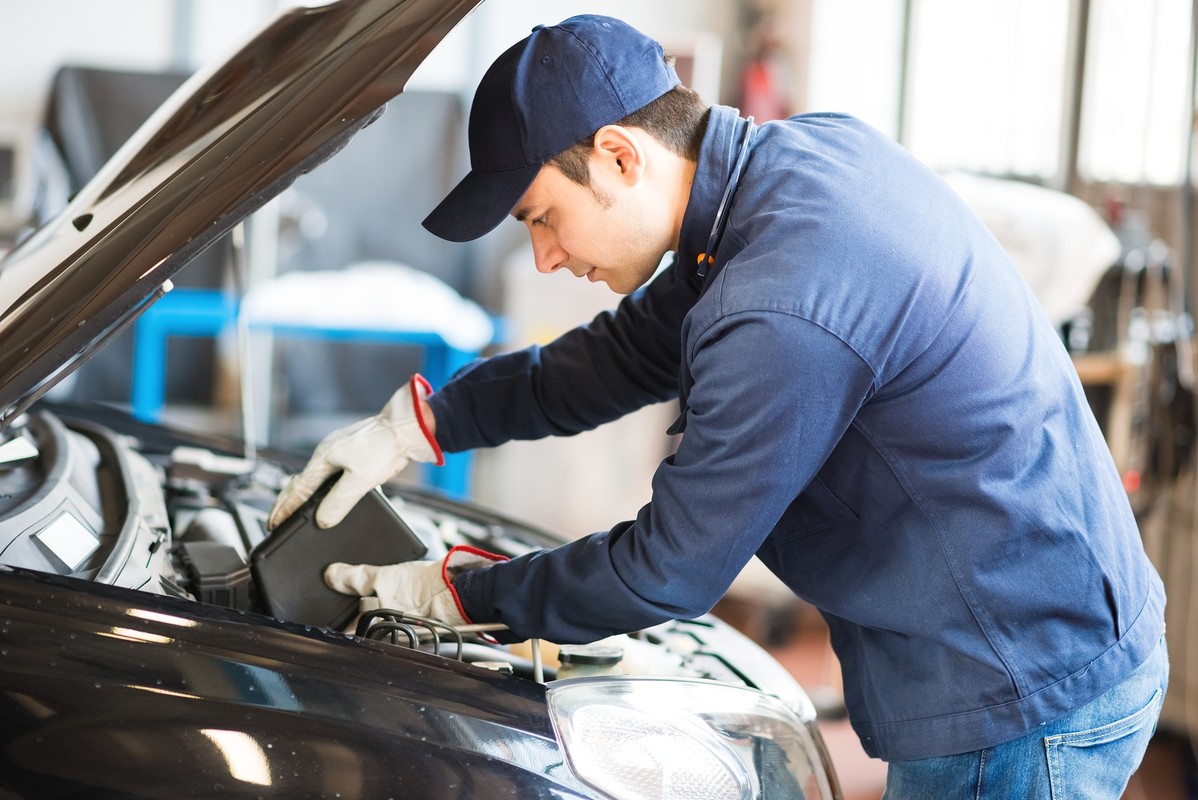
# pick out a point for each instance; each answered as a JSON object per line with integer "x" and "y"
{"x": 872, "y": 401}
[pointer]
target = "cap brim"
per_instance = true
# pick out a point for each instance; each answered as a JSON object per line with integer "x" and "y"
{"x": 479, "y": 203}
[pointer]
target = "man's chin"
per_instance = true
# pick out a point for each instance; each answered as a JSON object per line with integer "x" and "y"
{"x": 594, "y": 277}
{"x": 618, "y": 287}
{"x": 618, "y": 282}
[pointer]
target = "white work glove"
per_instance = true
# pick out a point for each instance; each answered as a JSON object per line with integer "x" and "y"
{"x": 421, "y": 588}
{"x": 370, "y": 452}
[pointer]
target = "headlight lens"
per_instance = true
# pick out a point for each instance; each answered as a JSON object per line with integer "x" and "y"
{"x": 667, "y": 739}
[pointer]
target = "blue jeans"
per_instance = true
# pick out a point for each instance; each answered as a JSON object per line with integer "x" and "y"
{"x": 1088, "y": 754}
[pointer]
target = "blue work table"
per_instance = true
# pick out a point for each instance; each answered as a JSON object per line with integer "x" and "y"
{"x": 204, "y": 312}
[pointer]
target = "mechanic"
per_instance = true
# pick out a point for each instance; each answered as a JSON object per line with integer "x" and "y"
{"x": 871, "y": 400}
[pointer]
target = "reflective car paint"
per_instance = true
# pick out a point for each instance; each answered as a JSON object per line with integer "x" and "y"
{"x": 111, "y": 690}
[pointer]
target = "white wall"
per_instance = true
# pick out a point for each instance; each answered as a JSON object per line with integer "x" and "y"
{"x": 37, "y": 37}
{"x": 497, "y": 24}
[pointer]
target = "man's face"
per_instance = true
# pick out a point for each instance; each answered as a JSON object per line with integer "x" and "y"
{"x": 608, "y": 232}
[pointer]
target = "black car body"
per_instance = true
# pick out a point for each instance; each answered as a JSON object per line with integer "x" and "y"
{"x": 137, "y": 657}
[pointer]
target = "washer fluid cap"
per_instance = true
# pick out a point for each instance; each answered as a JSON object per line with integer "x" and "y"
{"x": 589, "y": 661}
{"x": 591, "y": 655}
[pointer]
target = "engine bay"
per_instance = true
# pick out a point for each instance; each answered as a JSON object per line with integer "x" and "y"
{"x": 82, "y": 500}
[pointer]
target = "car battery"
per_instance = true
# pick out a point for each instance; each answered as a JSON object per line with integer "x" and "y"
{"x": 217, "y": 573}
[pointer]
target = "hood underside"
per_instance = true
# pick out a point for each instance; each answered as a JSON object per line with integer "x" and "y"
{"x": 230, "y": 139}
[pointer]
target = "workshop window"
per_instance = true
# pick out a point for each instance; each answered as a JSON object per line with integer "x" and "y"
{"x": 987, "y": 85}
{"x": 1134, "y": 123}
{"x": 857, "y": 67}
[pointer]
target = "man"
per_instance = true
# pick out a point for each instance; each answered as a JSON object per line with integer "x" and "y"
{"x": 870, "y": 401}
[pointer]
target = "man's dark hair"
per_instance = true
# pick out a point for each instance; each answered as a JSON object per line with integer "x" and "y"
{"x": 677, "y": 119}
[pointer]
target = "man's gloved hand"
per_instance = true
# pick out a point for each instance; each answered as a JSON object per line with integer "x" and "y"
{"x": 369, "y": 452}
{"x": 422, "y": 588}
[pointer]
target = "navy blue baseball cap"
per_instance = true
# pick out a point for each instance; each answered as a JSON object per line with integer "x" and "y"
{"x": 553, "y": 89}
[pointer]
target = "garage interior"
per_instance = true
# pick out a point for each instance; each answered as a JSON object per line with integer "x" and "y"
{"x": 1069, "y": 125}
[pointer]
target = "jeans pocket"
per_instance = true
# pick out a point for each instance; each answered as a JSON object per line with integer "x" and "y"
{"x": 1083, "y": 764}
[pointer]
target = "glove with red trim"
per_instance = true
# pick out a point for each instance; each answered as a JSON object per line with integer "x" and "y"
{"x": 369, "y": 452}
{"x": 422, "y": 588}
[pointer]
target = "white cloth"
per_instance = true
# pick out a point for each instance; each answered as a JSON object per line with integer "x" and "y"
{"x": 1060, "y": 244}
{"x": 371, "y": 295}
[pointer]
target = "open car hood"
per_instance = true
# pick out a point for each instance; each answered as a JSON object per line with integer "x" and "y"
{"x": 231, "y": 138}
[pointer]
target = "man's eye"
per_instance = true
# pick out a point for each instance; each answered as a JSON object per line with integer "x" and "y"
{"x": 540, "y": 220}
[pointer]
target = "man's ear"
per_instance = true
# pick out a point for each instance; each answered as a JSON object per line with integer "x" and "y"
{"x": 621, "y": 150}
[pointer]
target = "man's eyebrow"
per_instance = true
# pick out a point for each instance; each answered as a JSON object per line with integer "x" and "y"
{"x": 521, "y": 213}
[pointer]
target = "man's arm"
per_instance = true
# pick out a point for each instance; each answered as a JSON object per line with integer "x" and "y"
{"x": 773, "y": 395}
{"x": 620, "y": 361}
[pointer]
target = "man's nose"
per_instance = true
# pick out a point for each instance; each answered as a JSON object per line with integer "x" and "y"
{"x": 548, "y": 255}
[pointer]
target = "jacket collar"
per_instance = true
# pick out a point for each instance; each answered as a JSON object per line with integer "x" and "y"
{"x": 717, "y": 155}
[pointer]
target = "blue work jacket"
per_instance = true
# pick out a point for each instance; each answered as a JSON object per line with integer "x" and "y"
{"x": 873, "y": 402}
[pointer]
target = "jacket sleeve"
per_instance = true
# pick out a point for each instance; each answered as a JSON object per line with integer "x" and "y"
{"x": 619, "y": 362}
{"x": 772, "y": 396}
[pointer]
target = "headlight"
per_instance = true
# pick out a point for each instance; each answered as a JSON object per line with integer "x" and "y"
{"x": 668, "y": 739}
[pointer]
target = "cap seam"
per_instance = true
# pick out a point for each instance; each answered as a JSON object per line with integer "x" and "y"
{"x": 605, "y": 70}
